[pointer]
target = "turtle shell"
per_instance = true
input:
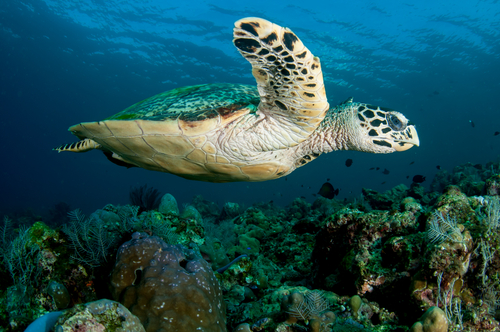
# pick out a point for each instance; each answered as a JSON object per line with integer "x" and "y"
{"x": 193, "y": 103}
{"x": 172, "y": 131}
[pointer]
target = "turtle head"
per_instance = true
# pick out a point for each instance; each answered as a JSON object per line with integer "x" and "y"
{"x": 383, "y": 130}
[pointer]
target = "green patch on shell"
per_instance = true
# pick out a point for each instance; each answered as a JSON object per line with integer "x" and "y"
{"x": 125, "y": 117}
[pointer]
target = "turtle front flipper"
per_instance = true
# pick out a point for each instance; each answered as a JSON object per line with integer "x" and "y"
{"x": 81, "y": 146}
{"x": 288, "y": 76}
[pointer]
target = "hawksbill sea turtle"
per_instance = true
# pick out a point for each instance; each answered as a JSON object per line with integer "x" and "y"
{"x": 236, "y": 132}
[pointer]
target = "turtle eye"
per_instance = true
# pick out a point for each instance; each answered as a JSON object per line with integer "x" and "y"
{"x": 395, "y": 123}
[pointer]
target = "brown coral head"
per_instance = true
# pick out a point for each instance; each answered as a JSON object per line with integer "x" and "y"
{"x": 175, "y": 289}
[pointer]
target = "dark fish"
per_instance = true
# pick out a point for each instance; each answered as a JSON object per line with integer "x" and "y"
{"x": 478, "y": 166}
{"x": 327, "y": 191}
{"x": 328, "y": 179}
{"x": 418, "y": 178}
{"x": 407, "y": 176}
{"x": 412, "y": 163}
{"x": 286, "y": 179}
{"x": 384, "y": 182}
{"x": 302, "y": 185}
{"x": 472, "y": 123}
{"x": 371, "y": 168}
{"x": 386, "y": 171}
{"x": 438, "y": 167}
{"x": 496, "y": 133}
{"x": 348, "y": 162}
{"x": 377, "y": 168}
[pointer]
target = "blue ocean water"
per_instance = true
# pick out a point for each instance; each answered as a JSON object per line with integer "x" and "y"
{"x": 65, "y": 62}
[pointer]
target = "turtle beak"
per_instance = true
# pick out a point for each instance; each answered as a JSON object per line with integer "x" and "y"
{"x": 406, "y": 139}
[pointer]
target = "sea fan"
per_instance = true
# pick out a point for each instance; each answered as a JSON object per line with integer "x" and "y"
{"x": 313, "y": 305}
{"x": 443, "y": 228}
{"x": 88, "y": 237}
{"x": 145, "y": 198}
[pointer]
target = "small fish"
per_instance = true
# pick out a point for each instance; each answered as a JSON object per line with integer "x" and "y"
{"x": 302, "y": 185}
{"x": 328, "y": 191}
{"x": 438, "y": 167}
{"x": 407, "y": 176}
{"x": 418, "y": 178}
{"x": 377, "y": 168}
{"x": 496, "y": 133}
{"x": 371, "y": 168}
{"x": 348, "y": 162}
{"x": 412, "y": 163}
{"x": 386, "y": 171}
{"x": 328, "y": 179}
{"x": 384, "y": 182}
{"x": 472, "y": 123}
{"x": 286, "y": 178}
{"x": 478, "y": 166}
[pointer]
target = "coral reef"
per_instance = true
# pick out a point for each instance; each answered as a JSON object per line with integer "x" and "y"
{"x": 434, "y": 320}
{"x": 102, "y": 315}
{"x": 168, "y": 205}
{"x": 35, "y": 257}
{"x": 59, "y": 293}
{"x": 406, "y": 259}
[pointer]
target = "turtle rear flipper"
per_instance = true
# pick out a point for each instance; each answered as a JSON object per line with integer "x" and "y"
{"x": 87, "y": 144}
{"x": 81, "y": 146}
{"x": 288, "y": 75}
